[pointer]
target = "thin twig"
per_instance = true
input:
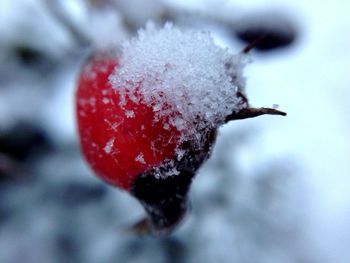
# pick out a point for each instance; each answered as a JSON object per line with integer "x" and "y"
{"x": 58, "y": 12}
{"x": 253, "y": 44}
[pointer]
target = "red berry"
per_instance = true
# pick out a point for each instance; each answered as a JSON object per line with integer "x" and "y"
{"x": 147, "y": 119}
{"x": 120, "y": 142}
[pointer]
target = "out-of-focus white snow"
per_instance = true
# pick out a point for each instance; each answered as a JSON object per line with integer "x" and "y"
{"x": 17, "y": 26}
{"x": 102, "y": 25}
{"x": 311, "y": 83}
{"x": 138, "y": 12}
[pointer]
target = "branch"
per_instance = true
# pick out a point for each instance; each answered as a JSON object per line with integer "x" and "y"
{"x": 253, "y": 44}
{"x": 57, "y": 11}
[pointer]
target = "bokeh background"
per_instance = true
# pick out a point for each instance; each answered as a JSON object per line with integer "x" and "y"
{"x": 275, "y": 189}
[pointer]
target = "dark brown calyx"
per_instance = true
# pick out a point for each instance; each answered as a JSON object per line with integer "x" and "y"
{"x": 165, "y": 198}
{"x": 253, "y": 112}
{"x": 248, "y": 112}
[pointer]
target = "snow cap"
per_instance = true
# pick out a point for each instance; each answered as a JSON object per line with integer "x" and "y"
{"x": 181, "y": 72}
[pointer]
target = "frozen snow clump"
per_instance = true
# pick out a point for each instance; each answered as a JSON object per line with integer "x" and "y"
{"x": 182, "y": 75}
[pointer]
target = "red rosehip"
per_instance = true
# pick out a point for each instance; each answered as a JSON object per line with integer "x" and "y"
{"x": 140, "y": 128}
{"x": 126, "y": 147}
{"x": 119, "y": 142}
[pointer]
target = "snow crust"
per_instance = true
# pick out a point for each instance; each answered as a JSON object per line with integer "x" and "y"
{"x": 182, "y": 75}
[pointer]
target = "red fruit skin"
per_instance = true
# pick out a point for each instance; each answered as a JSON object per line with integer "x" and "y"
{"x": 110, "y": 140}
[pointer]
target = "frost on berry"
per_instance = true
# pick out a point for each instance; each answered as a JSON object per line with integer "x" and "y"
{"x": 183, "y": 76}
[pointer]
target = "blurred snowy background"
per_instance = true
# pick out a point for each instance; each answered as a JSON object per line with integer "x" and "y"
{"x": 275, "y": 190}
